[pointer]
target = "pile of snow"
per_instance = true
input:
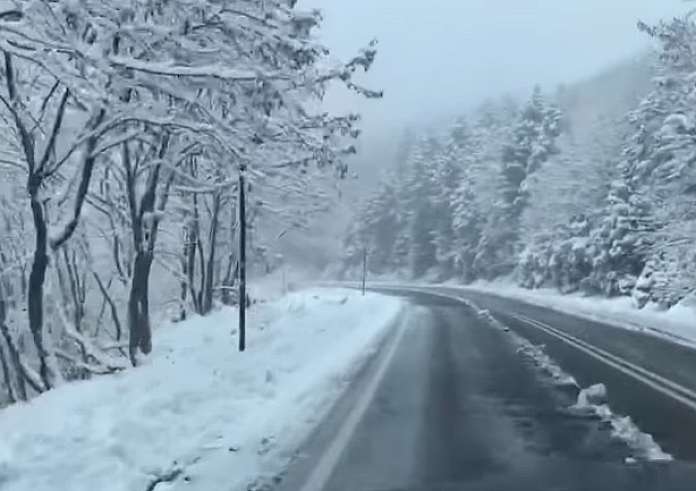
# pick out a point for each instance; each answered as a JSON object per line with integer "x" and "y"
{"x": 545, "y": 363}
{"x": 486, "y": 315}
{"x": 198, "y": 413}
{"x": 593, "y": 395}
{"x": 676, "y": 324}
{"x": 272, "y": 286}
{"x": 593, "y": 400}
{"x": 535, "y": 353}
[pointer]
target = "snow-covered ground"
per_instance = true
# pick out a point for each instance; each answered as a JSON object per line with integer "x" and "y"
{"x": 198, "y": 413}
{"x": 676, "y": 324}
{"x": 279, "y": 282}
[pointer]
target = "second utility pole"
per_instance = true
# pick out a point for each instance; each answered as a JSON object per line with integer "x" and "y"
{"x": 364, "y": 271}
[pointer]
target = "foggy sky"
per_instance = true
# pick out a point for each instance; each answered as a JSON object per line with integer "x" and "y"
{"x": 440, "y": 57}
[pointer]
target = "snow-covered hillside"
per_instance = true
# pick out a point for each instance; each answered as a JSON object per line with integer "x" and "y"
{"x": 589, "y": 188}
{"x": 198, "y": 413}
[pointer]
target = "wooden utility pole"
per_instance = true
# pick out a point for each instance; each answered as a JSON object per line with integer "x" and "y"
{"x": 364, "y": 271}
{"x": 242, "y": 261}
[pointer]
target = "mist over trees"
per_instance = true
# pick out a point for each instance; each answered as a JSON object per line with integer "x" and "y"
{"x": 587, "y": 189}
{"x": 124, "y": 127}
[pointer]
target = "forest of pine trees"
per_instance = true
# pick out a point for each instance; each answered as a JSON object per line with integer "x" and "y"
{"x": 519, "y": 192}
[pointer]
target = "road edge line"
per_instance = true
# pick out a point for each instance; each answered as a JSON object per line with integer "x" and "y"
{"x": 329, "y": 460}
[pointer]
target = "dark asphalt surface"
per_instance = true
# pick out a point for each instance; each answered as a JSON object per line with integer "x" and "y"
{"x": 460, "y": 409}
{"x": 672, "y": 425}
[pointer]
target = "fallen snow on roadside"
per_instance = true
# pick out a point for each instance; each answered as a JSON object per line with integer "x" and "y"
{"x": 676, "y": 324}
{"x": 546, "y": 364}
{"x": 198, "y": 413}
{"x": 272, "y": 286}
{"x": 591, "y": 401}
{"x": 535, "y": 353}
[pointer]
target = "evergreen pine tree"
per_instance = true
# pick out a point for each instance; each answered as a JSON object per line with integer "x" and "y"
{"x": 532, "y": 142}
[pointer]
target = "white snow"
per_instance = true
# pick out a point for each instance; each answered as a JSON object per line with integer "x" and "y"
{"x": 676, "y": 324}
{"x": 198, "y": 409}
{"x": 533, "y": 352}
{"x": 593, "y": 400}
{"x": 594, "y": 394}
{"x": 272, "y": 286}
{"x": 545, "y": 363}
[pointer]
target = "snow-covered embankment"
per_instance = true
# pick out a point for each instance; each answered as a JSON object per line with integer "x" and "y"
{"x": 198, "y": 414}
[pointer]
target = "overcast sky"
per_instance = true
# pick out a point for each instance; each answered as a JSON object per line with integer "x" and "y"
{"x": 438, "y": 57}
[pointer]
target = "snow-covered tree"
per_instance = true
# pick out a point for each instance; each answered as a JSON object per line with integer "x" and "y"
{"x": 467, "y": 221}
{"x": 117, "y": 114}
{"x": 421, "y": 208}
{"x": 567, "y": 199}
{"x": 375, "y": 230}
{"x": 661, "y": 155}
{"x": 619, "y": 244}
{"x": 531, "y": 143}
{"x": 449, "y": 171}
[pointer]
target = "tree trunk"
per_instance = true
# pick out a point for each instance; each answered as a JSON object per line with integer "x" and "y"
{"x": 14, "y": 353}
{"x": 76, "y": 292}
{"x": 210, "y": 265}
{"x": 112, "y": 306}
{"x": 138, "y": 308}
{"x": 185, "y": 279}
{"x": 7, "y": 376}
{"x": 37, "y": 277}
{"x": 144, "y": 242}
{"x": 201, "y": 255}
{"x": 72, "y": 298}
{"x": 191, "y": 264}
{"x": 231, "y": 268}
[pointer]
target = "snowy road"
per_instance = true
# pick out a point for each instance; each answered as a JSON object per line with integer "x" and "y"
{"x": 452, "y": 403}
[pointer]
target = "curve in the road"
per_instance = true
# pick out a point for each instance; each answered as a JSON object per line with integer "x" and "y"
{"x": 453, "y": 406}
{"x": 660, "y": 399}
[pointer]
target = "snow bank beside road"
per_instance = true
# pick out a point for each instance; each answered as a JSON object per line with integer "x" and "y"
{"x": 199, "y": 413}
{"x": 593, "y": 400}
{"x": 676, "y": 324}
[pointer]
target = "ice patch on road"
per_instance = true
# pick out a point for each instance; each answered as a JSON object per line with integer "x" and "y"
{"x": 594, "y": 400}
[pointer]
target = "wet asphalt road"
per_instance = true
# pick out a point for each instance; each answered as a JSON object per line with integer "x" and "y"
{"x": 459, "y": 408}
